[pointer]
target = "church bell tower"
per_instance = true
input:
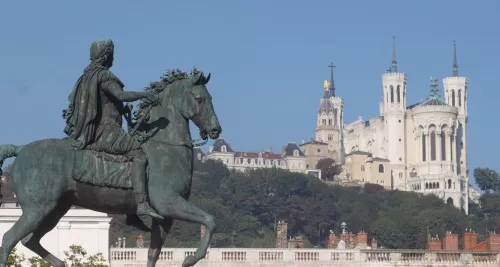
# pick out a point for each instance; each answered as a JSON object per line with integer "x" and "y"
{"x": 330, "y": 122}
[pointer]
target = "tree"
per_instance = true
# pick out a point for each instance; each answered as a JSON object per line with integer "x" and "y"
{"x": 15, "y": 260}
{"x": 328, "y": 168}
{"x": 75, "y": 257}
{"x": 487, "y": 179}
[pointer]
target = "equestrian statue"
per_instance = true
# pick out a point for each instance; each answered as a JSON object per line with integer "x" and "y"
{"x": 99, "y": 166}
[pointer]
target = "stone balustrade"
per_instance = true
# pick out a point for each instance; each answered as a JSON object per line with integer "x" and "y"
{"x": 227, "y": 257}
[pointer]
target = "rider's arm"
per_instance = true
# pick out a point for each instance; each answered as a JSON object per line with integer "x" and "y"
{"x": 114, "y": 88}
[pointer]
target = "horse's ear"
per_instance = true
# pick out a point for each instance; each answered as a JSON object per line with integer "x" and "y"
{"x": 208, "y": 78}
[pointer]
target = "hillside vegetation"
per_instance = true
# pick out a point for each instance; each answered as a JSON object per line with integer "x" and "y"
{"x": 247, "y": 206}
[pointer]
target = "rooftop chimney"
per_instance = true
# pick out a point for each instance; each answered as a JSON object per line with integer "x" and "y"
{"x": 303, "y": 141}
{"x": 270, "y": 149}
{"x": 283, "y": 149}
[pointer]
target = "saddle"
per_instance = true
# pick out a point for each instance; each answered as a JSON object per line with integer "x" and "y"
{"x": 103, "y": 169}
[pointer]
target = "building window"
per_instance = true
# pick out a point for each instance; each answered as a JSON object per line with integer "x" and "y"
{"x": 433, "y": 146}
{"x": 323, "y": 121}
{"x": 362, "y": 168}
{"x": 453, "y": 97}
{"x": 400, "y": 175}
{"x": 398, "y": 93}
{"x": 459, "y": 98}
{"x": 381, "y": 168}
{"x": 223, "y": 148}
{"x": 392, "y": 94}
{"x": 329, "y": 121}
{"x": 443, "y": 146}
{"x": 424, "y": 151}
{"x": 296, "y": 153}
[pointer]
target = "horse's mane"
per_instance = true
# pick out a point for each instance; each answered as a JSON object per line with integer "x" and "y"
{"x": 170, "y": 76}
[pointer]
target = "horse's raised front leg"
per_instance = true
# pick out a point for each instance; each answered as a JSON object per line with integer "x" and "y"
{"x": 178, "y": 208}
{"x": 158, "y": 234}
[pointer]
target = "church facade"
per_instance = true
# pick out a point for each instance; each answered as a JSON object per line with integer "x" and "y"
{"x": 420, "y": 147}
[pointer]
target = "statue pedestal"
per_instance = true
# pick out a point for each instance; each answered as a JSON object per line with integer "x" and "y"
{"x": 86, "y": 228}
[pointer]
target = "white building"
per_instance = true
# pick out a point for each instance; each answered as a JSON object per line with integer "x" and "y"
{"x": 86, "y": 228}
{"x": 291, "y": 157}
{"x": 425, "y": 143}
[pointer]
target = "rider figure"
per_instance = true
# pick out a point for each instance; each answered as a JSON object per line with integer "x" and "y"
{"x": 94, "y": 117}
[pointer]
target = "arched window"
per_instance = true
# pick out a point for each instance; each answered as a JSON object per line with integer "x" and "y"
{"x": 424, "y": 151}
{"x": 296, "y": 153}
{"x": 223, "y": 148}
{"x": 381, "y": 168}
{"x": 459, "y": 98}
{"x": 453, "y": 97}
{"x": 392, "y": 94}
{"x": 449, "y": 183}
{"x": 398, "y": 93}
{"x": 443, "y": 145}
{"x": 426, "y": 186}
{"x": 449, "y": 201}
{"x": 437, "y": 185}
{"x": 433, "y": 145}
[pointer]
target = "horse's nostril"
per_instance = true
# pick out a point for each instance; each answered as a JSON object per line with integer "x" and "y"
{"x": 215, "y": 131}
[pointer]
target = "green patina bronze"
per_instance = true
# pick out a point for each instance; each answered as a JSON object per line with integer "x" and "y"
{"x": 99, "y": 166}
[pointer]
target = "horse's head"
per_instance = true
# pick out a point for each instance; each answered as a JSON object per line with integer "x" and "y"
{"x": 198, "y": 106}
{"x": 183, "y": 98}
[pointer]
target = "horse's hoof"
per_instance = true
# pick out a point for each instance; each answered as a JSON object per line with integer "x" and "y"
{"x": 189, "y": 261}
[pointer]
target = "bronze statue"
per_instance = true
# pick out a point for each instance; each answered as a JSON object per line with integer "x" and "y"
{"x": 100, "y": 167}
{"x": 94, "y": 117}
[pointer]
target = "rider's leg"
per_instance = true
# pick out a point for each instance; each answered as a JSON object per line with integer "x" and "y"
{"x": 139, "y": 165}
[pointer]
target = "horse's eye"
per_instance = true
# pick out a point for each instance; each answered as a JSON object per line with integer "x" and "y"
{"x": 199, "y": 100}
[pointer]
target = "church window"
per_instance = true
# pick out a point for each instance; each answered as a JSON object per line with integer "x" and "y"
{"x": 437, "y": 185}
{"x": 449, "y": 183}
{"x": 392, "y": 94}
{"x": 443, "y": 146}
{"x": 433, "y": 146}
{"x": 329, "y": 121}
{"x": 223, "y": 148}
{"x": 453, "y": 97}
{"x": 381, "y": 168}
{"x": 459, "y": 98}
{"x": 323, "y": 121}
{"x": 426, "y": 186}
{"x": 296, "y": 153}
{"x": 362, "y": 168}
{"x": 424, "y": 151}
{"x": 398, "y": 93}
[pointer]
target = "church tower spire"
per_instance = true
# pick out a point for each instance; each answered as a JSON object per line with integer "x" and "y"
{"x": 394, "y": 63}
{"x": 331, "y": 86}
{"x": 455, "y": 64}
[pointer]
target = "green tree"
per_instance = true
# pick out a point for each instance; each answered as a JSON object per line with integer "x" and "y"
{"x": 328, "y": 168}
{"x": 487, "y": 179}
{"x": 14, "y": 259}
{"x": 75, "y": 257}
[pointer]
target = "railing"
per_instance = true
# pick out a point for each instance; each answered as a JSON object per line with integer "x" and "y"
{"x": 226, "y": 257}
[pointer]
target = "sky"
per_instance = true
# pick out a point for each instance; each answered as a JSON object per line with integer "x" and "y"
{"x": 268, "y": 59}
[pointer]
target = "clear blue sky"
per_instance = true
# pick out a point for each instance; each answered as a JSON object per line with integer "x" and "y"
{"x": 268, "y": 59}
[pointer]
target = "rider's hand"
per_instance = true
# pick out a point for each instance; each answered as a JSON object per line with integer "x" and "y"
{"x": 152, "y": 98}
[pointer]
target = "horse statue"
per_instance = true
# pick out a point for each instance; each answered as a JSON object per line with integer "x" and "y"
{"x": 49, "y": 177}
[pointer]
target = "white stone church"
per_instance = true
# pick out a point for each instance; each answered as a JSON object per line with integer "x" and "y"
{"x": 424, "y": 145}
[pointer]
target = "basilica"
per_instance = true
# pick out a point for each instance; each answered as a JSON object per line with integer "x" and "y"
{"x": 419, "y": 147}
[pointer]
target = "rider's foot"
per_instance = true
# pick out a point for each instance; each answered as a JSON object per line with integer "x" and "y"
{"x": 144, "y": 209}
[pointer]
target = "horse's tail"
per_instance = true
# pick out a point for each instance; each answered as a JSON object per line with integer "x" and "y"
{"x": 8, "y": 151}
